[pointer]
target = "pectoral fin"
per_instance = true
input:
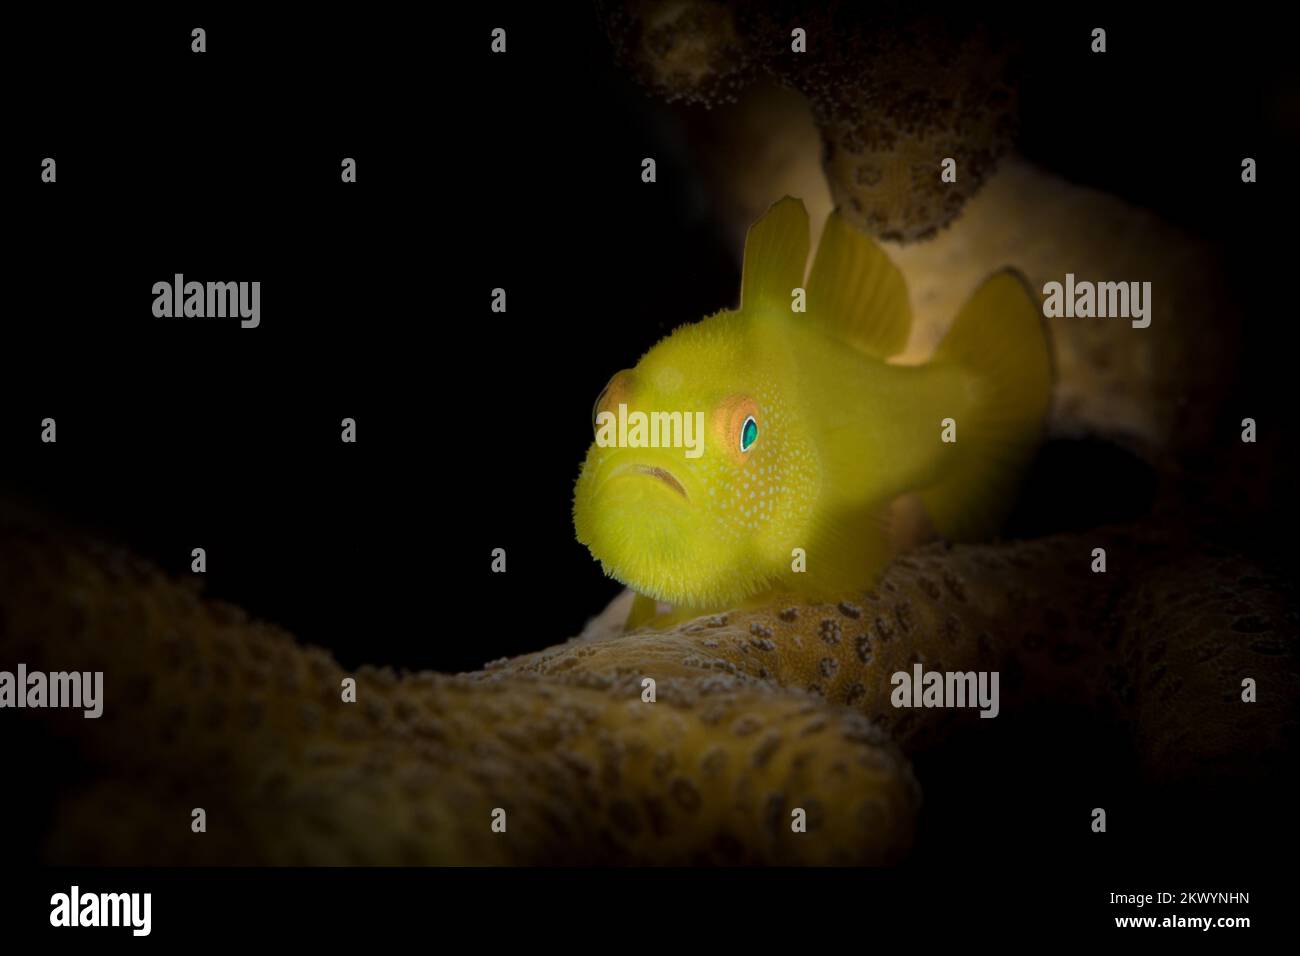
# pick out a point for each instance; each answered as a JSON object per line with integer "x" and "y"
{"x": 644, "y": 610}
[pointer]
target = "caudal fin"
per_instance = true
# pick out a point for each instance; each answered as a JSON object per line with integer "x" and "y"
{"x": 999, "y": 338}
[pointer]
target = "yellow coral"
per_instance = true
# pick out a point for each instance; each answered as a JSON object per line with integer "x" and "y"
{"x": 757, "y": 713}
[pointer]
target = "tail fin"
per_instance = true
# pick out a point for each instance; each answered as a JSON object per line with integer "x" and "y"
{"x": 999, "y": 338}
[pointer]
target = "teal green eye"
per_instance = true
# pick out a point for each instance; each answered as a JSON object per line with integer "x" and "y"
{"x": 748, "y": 433}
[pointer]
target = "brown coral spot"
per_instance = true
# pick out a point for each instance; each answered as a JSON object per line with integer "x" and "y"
{"x": 713, "y": 762}
{"x": 766, "y": 748}
{"x": 657, "y": 815}
{"x": 863, "y": 647}
{"x": 686, "y": 794}
{"x": 664, "y": 762}
{"x": 816, "y": 813}
{"x": 814, "y": 727}
{"x": 625, "y": 818}
{"x": 774, "y": 813}
{"x": 746, "y": 725}
{"x": 951, "y": 629}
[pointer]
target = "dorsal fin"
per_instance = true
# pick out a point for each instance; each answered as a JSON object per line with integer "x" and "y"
{"x": 776, "y": 254}
{"x": 856, "y": 293}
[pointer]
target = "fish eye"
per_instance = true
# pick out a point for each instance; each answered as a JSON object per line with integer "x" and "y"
{"x": 735, "y": 426}
{"x": 748, "y": 433}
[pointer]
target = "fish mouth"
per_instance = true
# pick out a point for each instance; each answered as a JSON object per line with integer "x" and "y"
{"x": 663, "y": 474}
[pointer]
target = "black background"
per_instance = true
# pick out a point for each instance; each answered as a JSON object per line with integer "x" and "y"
{"x": 477, "y": 171}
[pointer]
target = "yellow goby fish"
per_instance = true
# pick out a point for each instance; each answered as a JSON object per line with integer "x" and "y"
{"x": 809, "y": 432}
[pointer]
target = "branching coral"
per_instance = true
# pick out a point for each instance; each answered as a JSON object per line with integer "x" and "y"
{"x": 757, "y": 713}
{"x": 893, "y": 93}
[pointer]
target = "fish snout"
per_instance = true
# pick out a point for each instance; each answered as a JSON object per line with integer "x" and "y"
{"x": 646, "y": 474}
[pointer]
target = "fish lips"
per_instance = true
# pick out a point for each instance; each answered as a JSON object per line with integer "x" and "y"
{"x": 649, "y": 476}
{"x": 662, "y": 474}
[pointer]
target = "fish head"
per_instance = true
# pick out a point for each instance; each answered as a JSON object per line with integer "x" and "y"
{"x": 698, "y": 473}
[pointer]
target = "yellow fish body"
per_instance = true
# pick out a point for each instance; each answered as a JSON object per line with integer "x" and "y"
{"x": 808, "y": 432}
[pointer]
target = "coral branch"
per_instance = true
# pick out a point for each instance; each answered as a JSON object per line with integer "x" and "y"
{"x": 757, "y": 712}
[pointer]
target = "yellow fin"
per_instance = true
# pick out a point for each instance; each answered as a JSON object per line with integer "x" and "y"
{"x": 641, "y": 613}
{"x": 776, "y": 254}
{"x": 847, "y": 548}
{"x": 856, "y": 293}
{"x": 999, "y": 339}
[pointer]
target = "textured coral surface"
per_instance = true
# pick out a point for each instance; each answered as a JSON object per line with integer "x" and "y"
{"x": 892, "y": 92}
{"x": 756, "y": 713}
